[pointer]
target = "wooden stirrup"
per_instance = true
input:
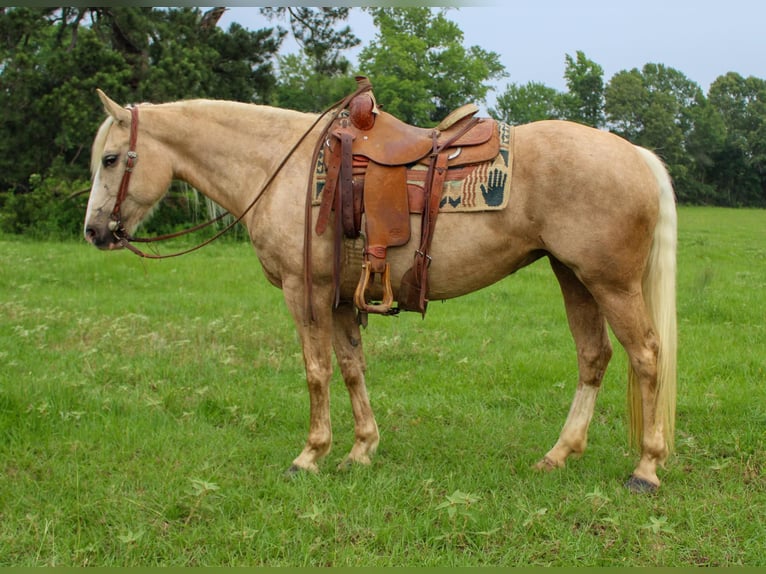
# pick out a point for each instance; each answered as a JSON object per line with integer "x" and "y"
{"x": 360, "y": 300}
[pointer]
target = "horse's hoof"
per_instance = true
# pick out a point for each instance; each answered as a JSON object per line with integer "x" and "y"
{"x": 547, "y": 465}
{"x": 640, "y": 486}
{"x": 293, "y": 471}
{"x": 349, "y": 463}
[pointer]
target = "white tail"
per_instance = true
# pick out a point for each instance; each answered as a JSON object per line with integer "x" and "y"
{"x": 659, "y": 288}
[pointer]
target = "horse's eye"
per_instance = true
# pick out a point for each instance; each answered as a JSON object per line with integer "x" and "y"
{"x": 109, "y": 160}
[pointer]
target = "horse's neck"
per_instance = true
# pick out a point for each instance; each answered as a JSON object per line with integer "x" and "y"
{"x": 227, "y": 150}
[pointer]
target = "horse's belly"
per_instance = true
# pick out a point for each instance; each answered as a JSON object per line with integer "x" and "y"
{"x": 469, "y": 251}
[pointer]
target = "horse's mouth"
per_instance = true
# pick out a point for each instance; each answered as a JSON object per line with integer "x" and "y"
{"x": 105, "y": 240}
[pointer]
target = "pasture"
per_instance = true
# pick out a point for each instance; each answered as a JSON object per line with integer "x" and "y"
{"x": 148, "y": 411}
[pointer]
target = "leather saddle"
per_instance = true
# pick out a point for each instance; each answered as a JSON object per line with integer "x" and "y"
{"x": 367, "y": 155}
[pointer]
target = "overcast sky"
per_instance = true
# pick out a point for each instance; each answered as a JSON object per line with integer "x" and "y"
{"x": 701, "y": 38}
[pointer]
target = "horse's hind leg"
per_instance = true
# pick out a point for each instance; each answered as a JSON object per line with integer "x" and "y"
{"x": 628, "y": 316}
{"x": 594, "y": 350}
{"x": 347, "y": 341}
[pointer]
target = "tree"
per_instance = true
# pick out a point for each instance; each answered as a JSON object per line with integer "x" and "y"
{"x": 419, "y": 67}
{"x": 530, "y": 102}
{"x": 741, "y": 160}
{"x": 46, "y": 71}
{"x": 301, "y": 88}
{"x": 177, "y": 53}
{"x": 319, "y": 75}
{"x": 660, "y": 109}
{"x": 52, "y": 60}
{"x": 584, "y": 101}
{"x": 314, "y": 30}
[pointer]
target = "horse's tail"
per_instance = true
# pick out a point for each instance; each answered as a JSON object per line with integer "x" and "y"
{"x": 659, "y": 286}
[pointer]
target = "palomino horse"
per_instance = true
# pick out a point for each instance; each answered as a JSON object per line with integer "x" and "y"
{"x": 601, "y": 209}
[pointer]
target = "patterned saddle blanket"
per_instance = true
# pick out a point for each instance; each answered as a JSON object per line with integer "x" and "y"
{"x": 477, "y": 187}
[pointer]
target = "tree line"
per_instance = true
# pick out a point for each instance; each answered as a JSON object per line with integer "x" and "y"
{"x": 53, "y": 59}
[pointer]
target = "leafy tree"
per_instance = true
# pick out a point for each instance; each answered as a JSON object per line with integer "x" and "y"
{"x": 419, "y": 67}
{"x": 584, "y": 102}
{"x": 45, "y": 74}
{"x": 53, "y": 59}
{"x": 180, "y": 53}
{"x": 527, "y": 103}
{"x": 314, "y": 30}
{"x": 301, "y": 88}
{"x": 319, "y": 75}
{"x": 659, "y": 108}
{"x": 741, "y": 161}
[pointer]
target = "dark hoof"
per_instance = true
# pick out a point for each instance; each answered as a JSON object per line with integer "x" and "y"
{"x": 640, "y": 486}
{"x": 293, "y": 471}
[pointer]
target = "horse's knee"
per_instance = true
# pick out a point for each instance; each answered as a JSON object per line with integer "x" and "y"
{"x": 352, "y": 369}
{"x": 643, "y": 356}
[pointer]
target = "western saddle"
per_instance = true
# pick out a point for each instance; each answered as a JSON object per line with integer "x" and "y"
{"x": 367, "y": 153}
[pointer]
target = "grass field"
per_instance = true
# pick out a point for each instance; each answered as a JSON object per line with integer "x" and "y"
{"x": 148, "y": 411}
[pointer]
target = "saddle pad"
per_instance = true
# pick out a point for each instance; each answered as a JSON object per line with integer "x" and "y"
{"x": 480, "y": 187}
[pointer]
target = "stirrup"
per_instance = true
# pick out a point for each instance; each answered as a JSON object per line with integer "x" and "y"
{"x": 382, "y": 308}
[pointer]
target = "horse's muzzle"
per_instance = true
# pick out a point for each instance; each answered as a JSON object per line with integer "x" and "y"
{"x": 102, "y": 238}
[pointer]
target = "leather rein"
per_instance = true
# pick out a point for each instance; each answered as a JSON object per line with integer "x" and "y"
{"x": 118, "y": 229}
{"x": 126, "y": 240}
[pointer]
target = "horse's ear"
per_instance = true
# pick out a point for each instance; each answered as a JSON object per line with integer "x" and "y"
{"x": 114, "y": 109}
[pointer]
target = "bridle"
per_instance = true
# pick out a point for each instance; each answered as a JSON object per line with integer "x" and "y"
{"x": 121, "y": 234}
{"x": 115, "y": 223}
{"x": 115, "y": 218}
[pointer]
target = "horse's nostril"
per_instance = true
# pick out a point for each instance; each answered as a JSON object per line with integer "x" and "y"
{"x": 90, "y": 234}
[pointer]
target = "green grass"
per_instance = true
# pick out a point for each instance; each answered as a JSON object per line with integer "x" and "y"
{"x": 148, "y": 411}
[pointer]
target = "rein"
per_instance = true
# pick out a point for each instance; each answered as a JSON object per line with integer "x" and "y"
{"x": 118, "y": 229}
{"x": 126, "y": 240}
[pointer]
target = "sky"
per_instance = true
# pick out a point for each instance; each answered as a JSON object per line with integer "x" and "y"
{"x": 703, "y": 39}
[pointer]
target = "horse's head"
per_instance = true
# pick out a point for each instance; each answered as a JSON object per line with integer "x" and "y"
{"x": 150, "y": 174}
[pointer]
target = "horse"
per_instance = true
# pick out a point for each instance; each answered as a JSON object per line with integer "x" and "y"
{"x": 600, "y": 209}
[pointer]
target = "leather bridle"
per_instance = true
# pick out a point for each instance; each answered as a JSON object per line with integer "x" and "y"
{"x": 115, "y": 223}
{"x": 118, "y": 229}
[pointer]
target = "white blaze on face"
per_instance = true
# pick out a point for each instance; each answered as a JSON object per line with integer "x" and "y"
{"x": 94, "y": 192}
{"x": 89, "y": 209}
{"x": 99, "y": 209}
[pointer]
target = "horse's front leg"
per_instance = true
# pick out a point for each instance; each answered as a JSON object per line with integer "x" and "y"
{"x": 347, "y": 341}
{"x": 316, "y": 340}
